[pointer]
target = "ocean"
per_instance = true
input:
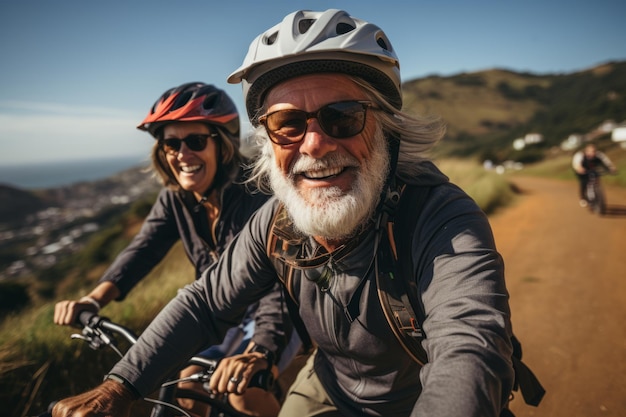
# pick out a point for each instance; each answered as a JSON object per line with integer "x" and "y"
{"x": 57, "y": 174}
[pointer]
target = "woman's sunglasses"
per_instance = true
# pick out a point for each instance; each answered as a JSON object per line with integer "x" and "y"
{"x": 339, "y": 120}
{"x": 196, "y": 142}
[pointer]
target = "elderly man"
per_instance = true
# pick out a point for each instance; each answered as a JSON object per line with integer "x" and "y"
{"x": 323, "y": 89}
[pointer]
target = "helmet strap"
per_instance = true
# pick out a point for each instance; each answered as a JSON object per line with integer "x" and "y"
{"x": 390, "y": 194}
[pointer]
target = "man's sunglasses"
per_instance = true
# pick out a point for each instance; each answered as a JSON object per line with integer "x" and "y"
{"x": 196, "y": 142}
{"x": 339, "y": 120}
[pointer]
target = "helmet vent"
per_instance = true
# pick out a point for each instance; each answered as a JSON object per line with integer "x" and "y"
{"x": 305, "y": 24}
{"x": 381, "y": 42}
{"x": 181, "y": 101}
{"x": 210, "y": 102}
{"x": 344, "y": 28}
{"x": 269, "y": 40}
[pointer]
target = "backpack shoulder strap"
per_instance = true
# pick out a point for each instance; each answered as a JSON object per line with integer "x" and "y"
{"x": 393, "y": 281}
{"x": 401, "y": 293}
{"x": 280, "y": 241}
{"x": 525, "y": 380}
{"x": 409, "y": 209}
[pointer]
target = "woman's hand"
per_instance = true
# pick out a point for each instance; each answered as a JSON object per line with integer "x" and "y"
{"x": 66, "y": 311}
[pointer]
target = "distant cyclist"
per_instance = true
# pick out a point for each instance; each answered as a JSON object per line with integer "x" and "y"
{"x": 587, "y": 159}
{"x": 204, "y": 204}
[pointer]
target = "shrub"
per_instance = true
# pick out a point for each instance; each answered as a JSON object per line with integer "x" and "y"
{"x": 13, "y": 297}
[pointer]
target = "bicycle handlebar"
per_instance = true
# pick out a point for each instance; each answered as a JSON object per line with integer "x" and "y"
{"x": 90, "y": 320}
{"x": 99, "y": 331}
{"x": 599, "y": 172}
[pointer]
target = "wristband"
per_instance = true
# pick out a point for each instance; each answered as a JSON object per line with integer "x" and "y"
{"x": 127, "y": 385}
{"x": 267, "y": 354}
{"x": 91, "y": 301}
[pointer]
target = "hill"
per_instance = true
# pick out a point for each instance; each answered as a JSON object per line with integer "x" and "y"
{"x": 487, "y": 110}
{"x": 17, "y": 204}
{"x": 43, "y": 231}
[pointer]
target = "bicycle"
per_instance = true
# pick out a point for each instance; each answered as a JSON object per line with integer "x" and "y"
{"x": 100, "y": 332}
{"x": 594, "y": 193}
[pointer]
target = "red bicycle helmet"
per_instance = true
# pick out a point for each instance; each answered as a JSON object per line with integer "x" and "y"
{"x": 194, "y": 102}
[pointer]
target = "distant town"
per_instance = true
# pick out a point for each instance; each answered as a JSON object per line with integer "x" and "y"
{"x": 573, "y": 141}
{"x": 70, "y": 215}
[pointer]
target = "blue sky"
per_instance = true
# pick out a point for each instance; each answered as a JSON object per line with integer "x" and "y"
{"x": 77, "y": 76}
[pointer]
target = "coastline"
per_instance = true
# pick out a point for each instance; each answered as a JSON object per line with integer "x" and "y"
{"x": 42, "y": 175}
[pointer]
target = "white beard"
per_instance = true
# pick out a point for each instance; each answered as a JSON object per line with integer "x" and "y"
{"x": 329, "y": 212}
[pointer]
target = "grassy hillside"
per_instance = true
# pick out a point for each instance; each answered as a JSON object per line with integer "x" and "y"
{"x": 476, "y": 104}
{"x": 486, "y": 110}
{"x": 38, "y": 360}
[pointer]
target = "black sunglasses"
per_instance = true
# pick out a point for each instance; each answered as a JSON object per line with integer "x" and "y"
{"x": 339, "y": 120}
{"x": 196, "y": 142}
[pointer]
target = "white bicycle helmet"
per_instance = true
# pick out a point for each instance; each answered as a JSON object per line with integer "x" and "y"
{"x": 318, "y": 42}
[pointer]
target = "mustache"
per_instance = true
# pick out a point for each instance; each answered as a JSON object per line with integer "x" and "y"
{"x": 306, "y": 163}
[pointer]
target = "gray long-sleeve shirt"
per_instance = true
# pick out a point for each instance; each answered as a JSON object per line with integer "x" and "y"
{"x": 460, "y": 282}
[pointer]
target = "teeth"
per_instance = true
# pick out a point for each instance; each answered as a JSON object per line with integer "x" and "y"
{"x": 190, "y": 168}
{"x": 323, "y": 173}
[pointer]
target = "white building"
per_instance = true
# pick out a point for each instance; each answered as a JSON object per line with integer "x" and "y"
{"x": 619, "y": 133}
{"x": 533, "y": 138}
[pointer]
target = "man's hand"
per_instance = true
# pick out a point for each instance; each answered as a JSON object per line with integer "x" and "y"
{"x": 233, "y": 374}
{"x": 109, "y": 399}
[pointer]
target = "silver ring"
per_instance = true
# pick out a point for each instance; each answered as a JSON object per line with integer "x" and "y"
{"x": 234, "y": 380}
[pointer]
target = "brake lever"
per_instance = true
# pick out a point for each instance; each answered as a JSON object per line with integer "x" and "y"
{"x": 95, "y": 338}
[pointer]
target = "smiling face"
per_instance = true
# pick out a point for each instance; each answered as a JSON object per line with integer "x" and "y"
{"x": 194, "y": 170}
{"x": 330, "y": 186}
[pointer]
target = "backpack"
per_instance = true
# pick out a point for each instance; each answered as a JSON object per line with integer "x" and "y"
{"x": 397, "y": 296}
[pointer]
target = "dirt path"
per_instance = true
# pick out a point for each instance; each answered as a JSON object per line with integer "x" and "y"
{"x": 566, "y": 272}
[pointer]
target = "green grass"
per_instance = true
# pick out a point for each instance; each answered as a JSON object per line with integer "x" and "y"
{"x": 490, "y": 190}
{"x": 40, "y": 363}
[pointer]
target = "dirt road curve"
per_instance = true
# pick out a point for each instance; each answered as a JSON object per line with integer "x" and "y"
{"x": 566, "y": 273}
